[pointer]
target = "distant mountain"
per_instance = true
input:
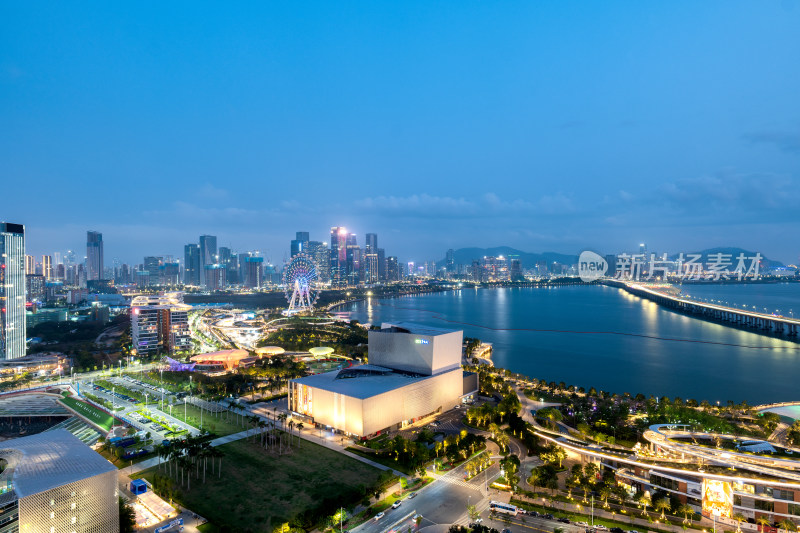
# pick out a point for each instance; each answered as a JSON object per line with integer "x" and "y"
{"x": 465, "y": 256}
{"x": 734, "y": 253}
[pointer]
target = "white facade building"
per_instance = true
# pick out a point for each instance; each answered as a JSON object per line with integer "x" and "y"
{"x": 413, "y": 371}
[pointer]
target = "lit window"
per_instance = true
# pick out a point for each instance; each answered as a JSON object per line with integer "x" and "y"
{"x": 74, "y": 519}
{"x": 72, "y": 506}
{"x": 52, "y": 514}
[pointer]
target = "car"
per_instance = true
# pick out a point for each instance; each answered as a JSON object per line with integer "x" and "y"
{"x": 616, "y": 530}
{"x": 457, "y": 407}
{"x": 412, "y": 495}
{"x": 564, "y": 520}
{"x": 396, "y": 504}
{"x": 582, "y": 523}
{"x": 601, "y": 527}
{"x": 416, "y": 517}
{"x": 434, "y": 424}
{"x": 380, "y": 515}
{"x": 532, "y": 513}
{"x": 479, "y": 520}
{"x": 632, "y": 531}
{"x": 506, "y": 530}
{"x": 548, "y": 516}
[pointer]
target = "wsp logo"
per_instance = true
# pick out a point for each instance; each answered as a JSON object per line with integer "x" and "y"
{"x": 591, "y": 266}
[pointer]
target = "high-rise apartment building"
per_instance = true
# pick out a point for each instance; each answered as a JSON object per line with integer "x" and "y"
{"x": 30, "y": 265}
{"x": 208, "y": 254}
{"x": 338, "y": 260}
{"x": 47, "y": 267}
{"x": 94, "y": 255}
{"x": 381, "y": 264}
{"x": 215, "y": 277}
{"x": 253, "y": 272}
{"x": 169, "y": 273}
{"x": 191, "y": 264}
{"x": 12, "y": 291}
{"x": 371, "y": 268}
{"x": 354, "y": 261}
{"x": 160, "y": 323}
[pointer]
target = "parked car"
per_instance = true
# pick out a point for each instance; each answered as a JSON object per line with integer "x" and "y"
{"x": 616, "y": 530}
{"x": 396, "y": 504}
{"x": 548, "y": 516}
{"x": 532, "y": 513}
{"x": 564, "y": 520}
{"x": 379, "y": 515}
{"x": 601, "y": 527}
{"x": 582, "y": 523}
{"x": 412, "y": 495}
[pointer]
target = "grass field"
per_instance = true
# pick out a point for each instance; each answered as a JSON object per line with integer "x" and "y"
{"x": 101, "y": 418}
{"x": 259, "y": 490}
{"x": 214, "y": 423}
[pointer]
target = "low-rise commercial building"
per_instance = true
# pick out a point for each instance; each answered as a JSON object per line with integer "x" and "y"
{"x": 52, "y": 482}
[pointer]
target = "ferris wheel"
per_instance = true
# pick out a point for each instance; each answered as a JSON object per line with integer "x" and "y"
{"x": 300, "y": 283}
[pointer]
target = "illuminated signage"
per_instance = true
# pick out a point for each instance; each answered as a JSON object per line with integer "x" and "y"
{"x": 421, "y": 341}
{"x": 717, "y": 498}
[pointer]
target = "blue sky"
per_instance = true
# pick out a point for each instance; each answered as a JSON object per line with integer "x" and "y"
{"x": 540, "y": 125}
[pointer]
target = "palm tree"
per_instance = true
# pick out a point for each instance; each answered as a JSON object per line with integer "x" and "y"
{"x": 604, "y": 493}
{"x": 739, "y": 518}
{"x": 685, "y": 510}
{"x": 645, "y": 501}
{"x": 502, "y": 440}
{"x": 534, "y": 478}
{"x": 764, "y": 522}
{"x": 494, "y": 429}
{"x": 663, "y": 506}
{"x": 787, "y": 525}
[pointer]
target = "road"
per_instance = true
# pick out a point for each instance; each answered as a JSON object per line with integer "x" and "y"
{"x": 444, "y": 501}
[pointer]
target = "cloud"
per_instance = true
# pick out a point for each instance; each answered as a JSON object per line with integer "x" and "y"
{"x": 212, "y": 192}
{"x": 487, "y": 205}
{"x": 784, "y": 141}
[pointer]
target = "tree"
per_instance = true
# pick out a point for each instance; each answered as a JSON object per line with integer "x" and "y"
{"x": 787, "y": 525}
{"x": 472, "y": 512}
{"x": 764, "y": 522}
{"x": 534, "y": 478}
{"x": 685, "y": 510}
{"x": 662, "y": 505}
{"x": 127, "y": 517}
{"x": 644, "y": 501}
{"x": 739, "y": 518}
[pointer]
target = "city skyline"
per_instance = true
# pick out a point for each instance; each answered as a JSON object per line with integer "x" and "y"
{"x": 641, "y": 128}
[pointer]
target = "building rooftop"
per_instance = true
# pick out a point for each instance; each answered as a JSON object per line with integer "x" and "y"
{"x": 416, "y": 329}
{"x": 48, "y": 460}
{"x": 362, "y": 381}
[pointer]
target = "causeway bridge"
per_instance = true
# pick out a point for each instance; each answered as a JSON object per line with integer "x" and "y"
{"x": 772, "y": 324}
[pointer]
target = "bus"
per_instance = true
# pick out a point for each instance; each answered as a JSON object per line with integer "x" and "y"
{"x": 506, "y": 508}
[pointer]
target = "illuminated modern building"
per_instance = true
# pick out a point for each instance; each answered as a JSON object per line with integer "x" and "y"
{"x": 253, "y": 270}
{"x": 191, "y": 265}
{"x": 300, "y": 243}
{"x": 413, "y": 371}
{"x": 338, "y": 262}
{"x": 321, "y": 254}
{"x": 94, "y": 255}
{"x": 160, "y": 323}
{"x": 392, "y": 269}
{"x": 152, "y": 265}
{"x": 12, "y": 290}
{"x": 208, "y": 254}
{"x": 55, "y": 483}
{"x": 47, "y": 267}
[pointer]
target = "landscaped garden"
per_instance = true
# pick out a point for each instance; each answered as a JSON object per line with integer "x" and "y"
{"x": 256, "y": 490}
{"x": 89, "y": 411}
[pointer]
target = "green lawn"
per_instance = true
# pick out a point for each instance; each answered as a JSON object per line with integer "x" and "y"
{"x": 259, "y": 490}
{"x": 101, "y": 418}
{"x": 221, "y": 424}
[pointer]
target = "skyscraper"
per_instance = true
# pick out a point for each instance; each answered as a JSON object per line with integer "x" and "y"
{"x": 338, "y": 256}
{"x": 392, "y": 269}
{"x": 12, "y": 291}
{"x": 94, "y": 255}
{"x": 371, "y": 243}
{"x": 300, "y": 243}
{"x": 47, "y": 267}
{"x": 191, "y": 265}
{"x": 321, "y": 254}
{"x": 354, "y": 261}
{"x": 151, "y": 265}
{"x": 208, "y": 253}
